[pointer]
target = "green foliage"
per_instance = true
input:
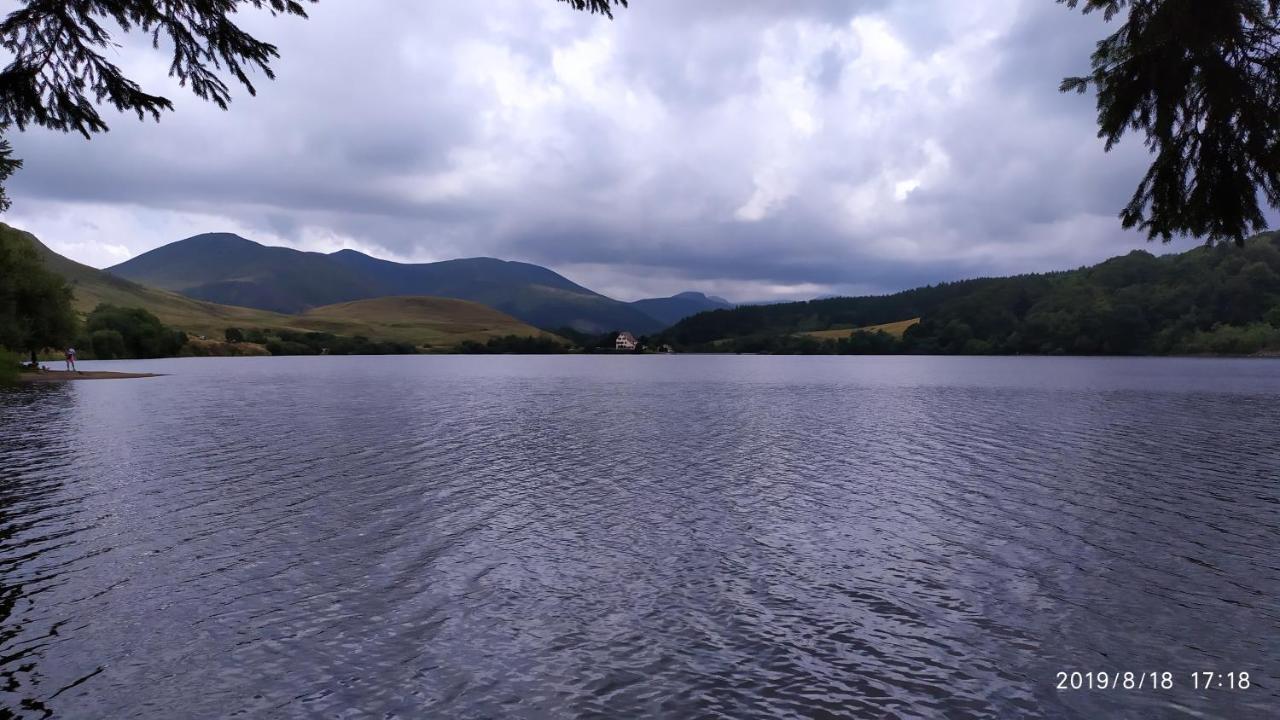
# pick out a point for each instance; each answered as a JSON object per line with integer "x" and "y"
{"x": 513, "y": 345}
{"x": 10, "y": 365}
{"x": 858, "y": 342}
{"x": 1209, "y": 300}
{"x": 290, "y": 347}
{"x": 1232, "y": 340}
{"x": 107, "y": 345}
{"x": 234, "y": 335}
{"x": 35, "y": 304}
{"x": 8, "y": 166}
{"x": 1201, "y": 79}
{"x": 141, "y": 334}
{"x": 1272, "y": 317}
{"x": 289, "y": 342}
{"x": 868, "y": 343}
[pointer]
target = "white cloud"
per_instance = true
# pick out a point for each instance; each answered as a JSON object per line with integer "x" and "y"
{"x": 751, "y": 149}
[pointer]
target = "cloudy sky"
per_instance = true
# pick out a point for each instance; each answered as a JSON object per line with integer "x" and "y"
{"x": 755, "y": 149}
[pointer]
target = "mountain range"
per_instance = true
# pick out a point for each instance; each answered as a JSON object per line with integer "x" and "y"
{"x": 429, "y": 323}
{"x": 230, "y": 270}
{"x": 1209, "y": 300}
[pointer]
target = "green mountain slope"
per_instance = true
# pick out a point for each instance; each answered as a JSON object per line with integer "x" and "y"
{"x": 1207, "y": 300}
{"x": 232, "y": 270}
{"x": 435, "y": 322}
{"x": 92, "y": 287}
{"x": 423, "y": 321}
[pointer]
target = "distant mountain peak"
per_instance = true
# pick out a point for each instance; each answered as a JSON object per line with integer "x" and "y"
{"x": 695, "y": 295}
{"x": 671, "y": 310}
{"x": 218, "y": 238}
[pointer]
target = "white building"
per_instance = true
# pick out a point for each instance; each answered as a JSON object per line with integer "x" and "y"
{"x": 626, "y": 341}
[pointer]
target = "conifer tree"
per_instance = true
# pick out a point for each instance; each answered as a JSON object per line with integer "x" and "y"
{"x": 1201, "y": 80}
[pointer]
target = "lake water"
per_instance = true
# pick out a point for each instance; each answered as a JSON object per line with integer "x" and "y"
{"x": 623, "y": 537}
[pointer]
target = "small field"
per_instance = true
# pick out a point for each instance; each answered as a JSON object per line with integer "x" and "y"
{"x": 895, "y": 329}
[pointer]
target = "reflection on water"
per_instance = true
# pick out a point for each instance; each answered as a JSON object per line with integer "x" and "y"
{"x": 647, "y": 536}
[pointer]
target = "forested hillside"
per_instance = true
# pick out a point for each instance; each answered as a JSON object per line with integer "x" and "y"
{"x": 1223, "y": 299}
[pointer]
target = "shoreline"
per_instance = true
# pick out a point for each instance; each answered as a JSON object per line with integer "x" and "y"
{"x": 51, "y": 376}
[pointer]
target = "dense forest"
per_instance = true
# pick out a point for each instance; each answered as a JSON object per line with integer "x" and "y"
{"x": 514, "y": 345}
{"x": 1221, "y": 300}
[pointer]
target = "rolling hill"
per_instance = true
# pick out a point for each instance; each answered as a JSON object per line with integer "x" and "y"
{"x": 225, "y": 268}
{"x": 671, "y": 310}
{"x": 423, "y": 321}
{"x": 92, "y": 287}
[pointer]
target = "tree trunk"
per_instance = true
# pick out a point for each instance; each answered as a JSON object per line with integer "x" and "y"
{"x": 33, "y": 359}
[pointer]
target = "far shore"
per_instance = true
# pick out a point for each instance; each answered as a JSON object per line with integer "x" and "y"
{"x": 47, "y": 376}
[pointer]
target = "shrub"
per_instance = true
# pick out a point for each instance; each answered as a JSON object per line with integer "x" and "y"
{"x": 107, "y": 344}
{"x": 1233, "y": 340}
{"x": 9, "y": 366}
{"x": 289, "y": 347}
{"x": 513, "y": 345}
{"x": 1273, "y": 317}
{"x": 234, "y": 335}
{"x": 142, "y": 334}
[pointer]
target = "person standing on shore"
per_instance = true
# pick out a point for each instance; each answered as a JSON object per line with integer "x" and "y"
{"x": 71, "y": 359}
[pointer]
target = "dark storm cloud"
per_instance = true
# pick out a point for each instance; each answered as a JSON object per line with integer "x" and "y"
{"x": 762, "y": 149}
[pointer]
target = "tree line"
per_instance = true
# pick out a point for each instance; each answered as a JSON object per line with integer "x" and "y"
{"x": 1211, "y": 300}
{"x": 300, "y": 342}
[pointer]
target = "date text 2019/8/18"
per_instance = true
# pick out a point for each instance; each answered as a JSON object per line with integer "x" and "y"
{"x": 1152, "y": 680}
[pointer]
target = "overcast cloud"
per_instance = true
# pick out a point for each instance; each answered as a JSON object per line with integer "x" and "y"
{"x": 756, "y": 149}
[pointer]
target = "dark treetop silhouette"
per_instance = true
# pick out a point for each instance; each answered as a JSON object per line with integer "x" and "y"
{"x": 1202, "y": 81}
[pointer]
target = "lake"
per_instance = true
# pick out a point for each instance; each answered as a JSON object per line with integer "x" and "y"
{"x": 642, "y": 536}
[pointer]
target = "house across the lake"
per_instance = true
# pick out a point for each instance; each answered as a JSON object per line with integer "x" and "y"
{"x": 626, "y": 341}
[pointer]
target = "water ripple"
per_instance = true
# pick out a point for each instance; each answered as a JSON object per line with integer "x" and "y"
{"x": 631, "y": 537}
